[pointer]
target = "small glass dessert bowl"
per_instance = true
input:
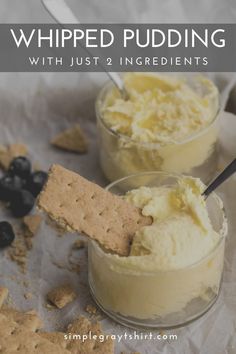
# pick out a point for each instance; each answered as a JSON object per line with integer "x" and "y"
{"x": 166, "y": 124}
{"x": 173, "y": 273}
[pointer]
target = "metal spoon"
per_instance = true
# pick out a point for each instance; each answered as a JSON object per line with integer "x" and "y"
{"x": 62, "y": 14}
{"x": 223, "y": 176}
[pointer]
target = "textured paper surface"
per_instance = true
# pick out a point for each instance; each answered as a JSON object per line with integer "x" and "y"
{"x": 34, "y": 122}
{"x": 34, "y": 107}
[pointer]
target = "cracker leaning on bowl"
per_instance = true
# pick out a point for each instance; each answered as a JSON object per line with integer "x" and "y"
{"x": 82, "y": 206}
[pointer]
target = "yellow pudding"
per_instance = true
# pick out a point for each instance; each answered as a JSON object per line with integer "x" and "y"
{"x": 167, "y": 123}
{"x": 181, "y": 233}
{"x": 160, "y": 109}
{"x": 175, "y": 265}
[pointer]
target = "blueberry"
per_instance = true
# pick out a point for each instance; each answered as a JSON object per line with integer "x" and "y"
{"x": 22, "y": 203}
{"x": 6, "y": 234}
{"x": 37, "y": 182}
{"x": 21, "y": 167}
{"x": 9, "y": 185}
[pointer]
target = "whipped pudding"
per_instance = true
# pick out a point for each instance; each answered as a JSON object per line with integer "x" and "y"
{"x": 167, "y": 123}
{"x": 181, "y": 233}
{"x": 174, "y": 268}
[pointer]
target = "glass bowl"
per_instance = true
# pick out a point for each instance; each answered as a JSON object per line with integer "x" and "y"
{"x": 121, "y": 156}
{"x": 157, "y": 299}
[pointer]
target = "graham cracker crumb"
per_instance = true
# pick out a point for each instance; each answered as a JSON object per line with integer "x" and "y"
{"x": 72, "y": 267}
{"x": 31, "y": 226}
{"x": 32, "y": 223}
{"x": 8, "y": 153}
{"x": 78, "y": 244}
{"x": 60, "y": 230}
{"x": 28, "y": 296}
{"x": 61, "y": 296}
{"x": 72, "y": 139}
{"x": 91, "y": 309}
{"x": 17, "y": 252}
{"x": 73, "y": 263}
{"x": 3, "y": 295}
{"x": 49, "y": 306}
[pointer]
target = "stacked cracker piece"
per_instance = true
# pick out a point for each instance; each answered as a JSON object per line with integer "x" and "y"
{"x": 19, "y": 333}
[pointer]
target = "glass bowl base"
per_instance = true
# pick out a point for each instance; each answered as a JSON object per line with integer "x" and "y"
{"x": 154, "y": 324}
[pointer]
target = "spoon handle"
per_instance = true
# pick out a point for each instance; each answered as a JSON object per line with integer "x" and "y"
{"x": 63, "y": 15}
{"x": 228, "y": 171}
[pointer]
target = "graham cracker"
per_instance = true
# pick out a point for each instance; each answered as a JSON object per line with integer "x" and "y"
{"x": 55, "y": 337}
{"x": 32, "y": 223}
{"x": 15, "y": 338}
{"x": 61, "y": 296}
{"x": 30, "y": 320}
{"x": 7, "y": 154}
{"x": 72, "y": 139}
{"x": 3, "y": 295}
{"x": 82, "y": 206}
{"x": 18, "y": 335}
{"x": 82, "y": 326}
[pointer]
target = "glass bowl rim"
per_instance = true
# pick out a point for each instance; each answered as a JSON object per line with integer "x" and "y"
{"x": 108, "y": 84}
{"x": 223, "y": 231}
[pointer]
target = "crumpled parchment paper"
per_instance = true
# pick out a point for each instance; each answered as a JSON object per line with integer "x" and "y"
{"x": 34, "y": 107}
{"x": 33, "y": 111}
